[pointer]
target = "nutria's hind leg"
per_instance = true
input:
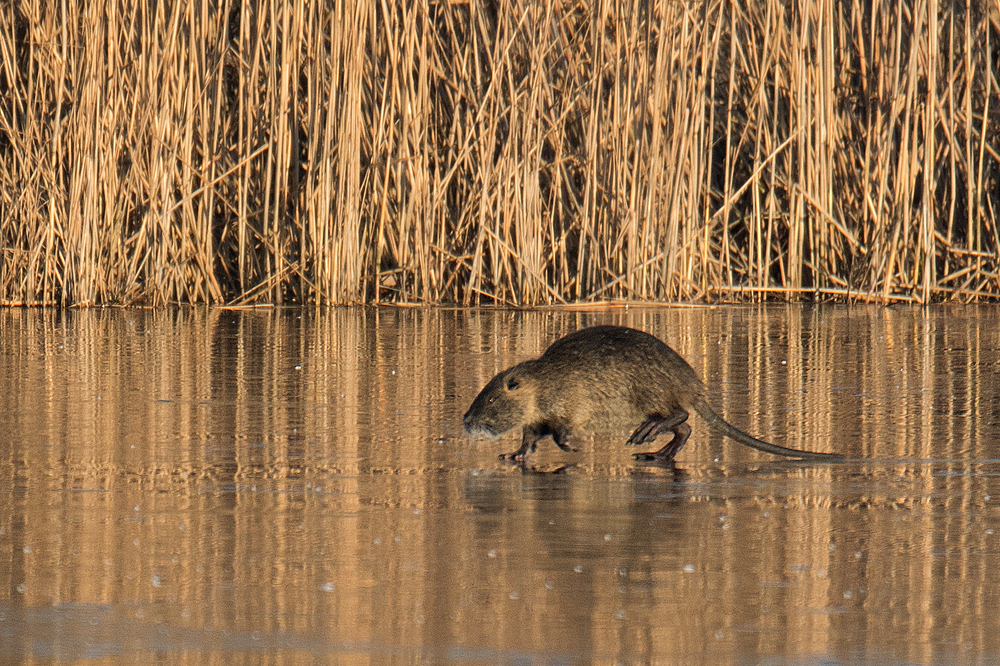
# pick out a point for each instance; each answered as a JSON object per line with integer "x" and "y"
{"x": 655, "y": 426}
{"x": 681, "y": 433}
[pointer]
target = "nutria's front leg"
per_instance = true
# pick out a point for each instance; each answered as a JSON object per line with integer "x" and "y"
{"x": 528, "y": 445}
{"x": 561, "y": 438}
{"x": 530, "y": 436}
{"x": 529, "y": 442}
{"x": 654, "y": 426}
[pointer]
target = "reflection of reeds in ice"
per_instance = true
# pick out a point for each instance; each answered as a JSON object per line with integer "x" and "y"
{"x": 231, "y": 478}
{"x": 513, "y": 152}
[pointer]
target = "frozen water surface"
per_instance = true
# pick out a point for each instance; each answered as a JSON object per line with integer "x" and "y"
{"x": 294, "y": 486}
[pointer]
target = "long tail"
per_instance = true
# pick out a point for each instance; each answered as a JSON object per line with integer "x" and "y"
{"x": 723, "y": 427}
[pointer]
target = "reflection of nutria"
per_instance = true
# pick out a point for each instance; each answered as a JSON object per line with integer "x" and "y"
{"x": 604, "y": 379}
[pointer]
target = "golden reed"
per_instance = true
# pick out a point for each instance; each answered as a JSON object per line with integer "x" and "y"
{"x": 510, "y": 152}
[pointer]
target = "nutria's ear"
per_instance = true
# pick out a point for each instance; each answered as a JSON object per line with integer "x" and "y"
{"x": 512, "y": 383}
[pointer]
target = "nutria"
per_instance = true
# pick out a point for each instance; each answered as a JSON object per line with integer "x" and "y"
{"x": 604, "y": 379}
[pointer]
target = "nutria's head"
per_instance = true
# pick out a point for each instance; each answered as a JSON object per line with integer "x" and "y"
{"x": 507, "y": 402}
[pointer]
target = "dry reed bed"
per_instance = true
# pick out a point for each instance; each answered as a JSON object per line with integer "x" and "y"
{"x": 512, "y": 152}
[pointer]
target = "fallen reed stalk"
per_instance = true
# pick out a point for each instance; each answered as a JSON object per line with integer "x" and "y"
{"x": 502, "y": 152}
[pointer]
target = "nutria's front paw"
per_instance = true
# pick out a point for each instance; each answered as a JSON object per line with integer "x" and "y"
{"x": 514, "y": 456}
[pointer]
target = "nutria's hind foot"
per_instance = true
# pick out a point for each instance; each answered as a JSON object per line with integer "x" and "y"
{"x": 649, "y": 431}
{"x": 656, "y": 425}
{"x": 667, "y": 453}
{"x": 654, "y": 460}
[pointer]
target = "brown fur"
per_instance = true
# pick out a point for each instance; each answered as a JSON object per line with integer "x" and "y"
{"x": 604, "y": 379}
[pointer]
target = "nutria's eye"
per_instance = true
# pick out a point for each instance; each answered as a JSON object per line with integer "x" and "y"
{"x": 512, "y": 384}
